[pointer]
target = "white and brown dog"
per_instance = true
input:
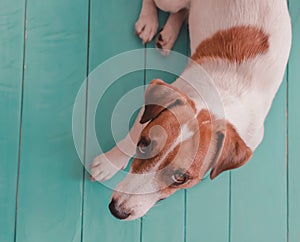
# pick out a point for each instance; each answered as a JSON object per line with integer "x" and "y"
{"x": 243, "y": 45}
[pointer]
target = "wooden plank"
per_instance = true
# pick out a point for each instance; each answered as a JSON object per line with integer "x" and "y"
{"x": 207, "y": 211}
{"x": 166, "y": 221}
{"x": 112, "y": 33}
{"x": 11, "y": 48}
{"x": 258, "y": 207}
{"x": 51, "y": 174}
{"x": 293, "y": 124}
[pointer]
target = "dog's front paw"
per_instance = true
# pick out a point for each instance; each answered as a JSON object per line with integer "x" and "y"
{"x": 165, "y": 40}
{"x": 146, "y": 27}
{"x": 105, "y": 166}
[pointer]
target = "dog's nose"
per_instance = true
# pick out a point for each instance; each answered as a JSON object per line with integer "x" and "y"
{"x": 114, "y": 211}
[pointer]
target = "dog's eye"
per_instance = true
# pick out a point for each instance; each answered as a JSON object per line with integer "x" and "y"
{"x": 144, "y": 145}
{"x": 179, "y": 178}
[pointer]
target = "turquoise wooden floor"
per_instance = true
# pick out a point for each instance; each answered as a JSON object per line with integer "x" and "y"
{"x": 46, "y": 50}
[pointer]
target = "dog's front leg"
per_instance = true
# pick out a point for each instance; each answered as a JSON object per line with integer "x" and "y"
{"x": 106, "y": 165}
{"x": 147, "y": 24}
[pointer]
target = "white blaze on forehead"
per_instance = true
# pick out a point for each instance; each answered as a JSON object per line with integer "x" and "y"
{"x": 185, "y": 134}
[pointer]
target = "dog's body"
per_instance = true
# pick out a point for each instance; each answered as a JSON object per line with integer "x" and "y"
{"x": 243, "y": 45}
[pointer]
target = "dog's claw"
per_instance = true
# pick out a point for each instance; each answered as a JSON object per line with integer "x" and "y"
{"x": 158, "y": 45}
{"x": 160, "y": 37}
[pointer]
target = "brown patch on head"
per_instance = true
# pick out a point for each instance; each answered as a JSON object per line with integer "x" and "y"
{"x": 236, "y": 44}
{"x": 160, "y": 96}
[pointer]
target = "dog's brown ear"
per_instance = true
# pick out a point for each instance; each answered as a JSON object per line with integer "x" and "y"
{"x": 159, "y": 96}
{"x": 232, "y": 152}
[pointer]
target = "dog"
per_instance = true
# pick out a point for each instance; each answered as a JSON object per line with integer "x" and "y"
{"x": 243, "y": 46}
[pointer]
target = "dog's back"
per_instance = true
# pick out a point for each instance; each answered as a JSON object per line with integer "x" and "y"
{"x": 244, "y": 46}
{"x": 209, "y": 17}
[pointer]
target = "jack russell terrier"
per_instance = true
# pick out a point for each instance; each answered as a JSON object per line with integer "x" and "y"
{"x": 243, "y": 45}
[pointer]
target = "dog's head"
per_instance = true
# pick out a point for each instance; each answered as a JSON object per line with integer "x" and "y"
{"x": 176, "y": 149}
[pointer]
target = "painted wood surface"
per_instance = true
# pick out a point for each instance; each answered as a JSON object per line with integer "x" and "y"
{"x": 56, "y": 200}
{"x": 11, "y": 75}
{"x": 50, "y": 196}
{"x": 293, "y": 127}
{"x": 106, "y": 35}
{"x": 259, "y": 189}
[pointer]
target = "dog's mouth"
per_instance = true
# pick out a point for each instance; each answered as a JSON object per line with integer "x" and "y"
{"x": 160, "y": 200}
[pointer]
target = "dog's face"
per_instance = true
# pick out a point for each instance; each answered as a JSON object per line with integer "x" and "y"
{"x": 176, "y": 149}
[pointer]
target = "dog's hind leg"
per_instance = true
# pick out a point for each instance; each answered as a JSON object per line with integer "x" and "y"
{"x": 106, "y": 165}
{"x": 169, "y": 33}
